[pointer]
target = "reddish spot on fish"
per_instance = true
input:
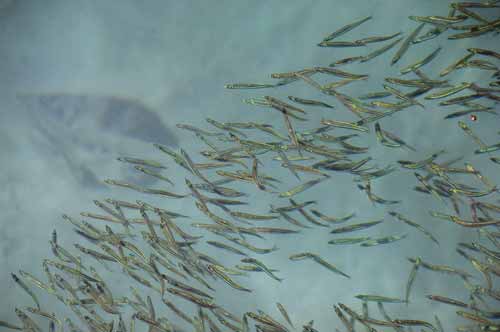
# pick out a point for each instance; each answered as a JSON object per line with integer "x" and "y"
{"x": 473, "y": 117}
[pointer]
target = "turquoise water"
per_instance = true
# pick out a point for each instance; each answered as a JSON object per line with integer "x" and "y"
{"x": 84, "y": 83}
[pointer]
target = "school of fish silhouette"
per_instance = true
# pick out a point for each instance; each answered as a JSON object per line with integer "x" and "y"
{"x": 161, "y": 258}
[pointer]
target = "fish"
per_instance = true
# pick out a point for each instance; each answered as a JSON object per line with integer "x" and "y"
{"x": 343, "y": 124}
{"x": 438, "y": 324}
{"x": 293, "y": 206}
{"x": 225, "y": 127}
{"x": 252, "y": 268}
{"x": 349, "y": 166}
{"x": 356, "y": 227}
{"x": 469, "y": 111}
{"x": 203, "y": 302}
{"x": 398, "y": 140}
{"x": 143, "y": 189}
{"x": 484, "y": 52}
{"x": 154, "y": 174}
{"x": 478, "y": 174}
{"x": 462, "y": 222}
{"x": 345, "y": 61}
{"x": 379, "y": 298}
{"x": 28, "y": 323}
{"x": 495, "y": 160}
{"x": 329, "y": 266}
{"x": 141, "y": 162}
{"x": 481, "y": 64}
{"x": 248, "y": 86}
{"x": 195, "y": 170}
{"x": 118, "y": 214}
{"x": 455, "y": 65}
{"x": 380, "y": 50}
{"x": 256, "y": 250}
{"x": 288, "y": 218}
{"x": 375, "y": 95}
{"x": 422, "y": 62}
{"x": 413, "y": 322}
{"x": 402, "y": 96}
{"x": 226, "y": 247}
{"x": 266, "y": 270}
{"x": 196, "y": 130}
{"x": 422, "y": 163}
{"x": 291, "y": 131}
{"x": 405, "y": 220}
{"x": 406, "y": 44}
{"x": 461, "y": 100}
{"x": 35, "y": 281}
{"x": 417, "y": 83}
{"x": 284, "y": 313}
{"x": 411, "y": 279}
{"x": 284, "y": 107}
{"x": 255, "y": 175}
{"x": 341, "y": 43}
{"x": 468, "y": 13}
{"x": 267, "y": 320}
{"x": 441, "y": 268}
{"x": 302, "y": 187}
{"x": 310, "y": 102}
{"x": 307, "y": 216}
{"x": 292, "y": 75}
{"x": 439, "y": 20}
{"x": 447, "y": 300}
{"x": 381, "y": 138}
{"x": 306, "y": 169}
{"x": 462, "y": 125}
{"x": 343, "y": 319}
{"x": 431, "y": 33}
{"x": 375, "y": 198}
{"x": 346, "y": 28}
{"x": 352, "y": 240}
{"x": 217, "y": 271}
{"x": 251, "y": 216}
{"x": 488, "y": 148}
{"x": 377, "y": 39}
{"x": 25, "y": 287}
{"x": 477, "y": 31}
{"x": 383, "y": 240}
{"x": 10, "y": 326}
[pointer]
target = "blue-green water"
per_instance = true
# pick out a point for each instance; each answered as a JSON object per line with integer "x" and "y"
{"x": 83, "y": 83}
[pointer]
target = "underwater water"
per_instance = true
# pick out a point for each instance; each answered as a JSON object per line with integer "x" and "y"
{"x": 84, "y": 83}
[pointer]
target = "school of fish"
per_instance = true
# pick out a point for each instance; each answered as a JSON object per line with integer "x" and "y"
{"x": 159, "y": 254}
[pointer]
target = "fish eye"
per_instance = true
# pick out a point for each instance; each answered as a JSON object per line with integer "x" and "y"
{"x": 473, "y": 117}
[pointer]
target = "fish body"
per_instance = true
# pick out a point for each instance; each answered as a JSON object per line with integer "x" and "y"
{"x": 383, "y": 240}
{"x": 356, "y": 227}
{"x": 379, "y": 299}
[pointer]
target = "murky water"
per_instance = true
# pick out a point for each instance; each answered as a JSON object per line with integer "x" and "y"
{"x": 86, "y": 83}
